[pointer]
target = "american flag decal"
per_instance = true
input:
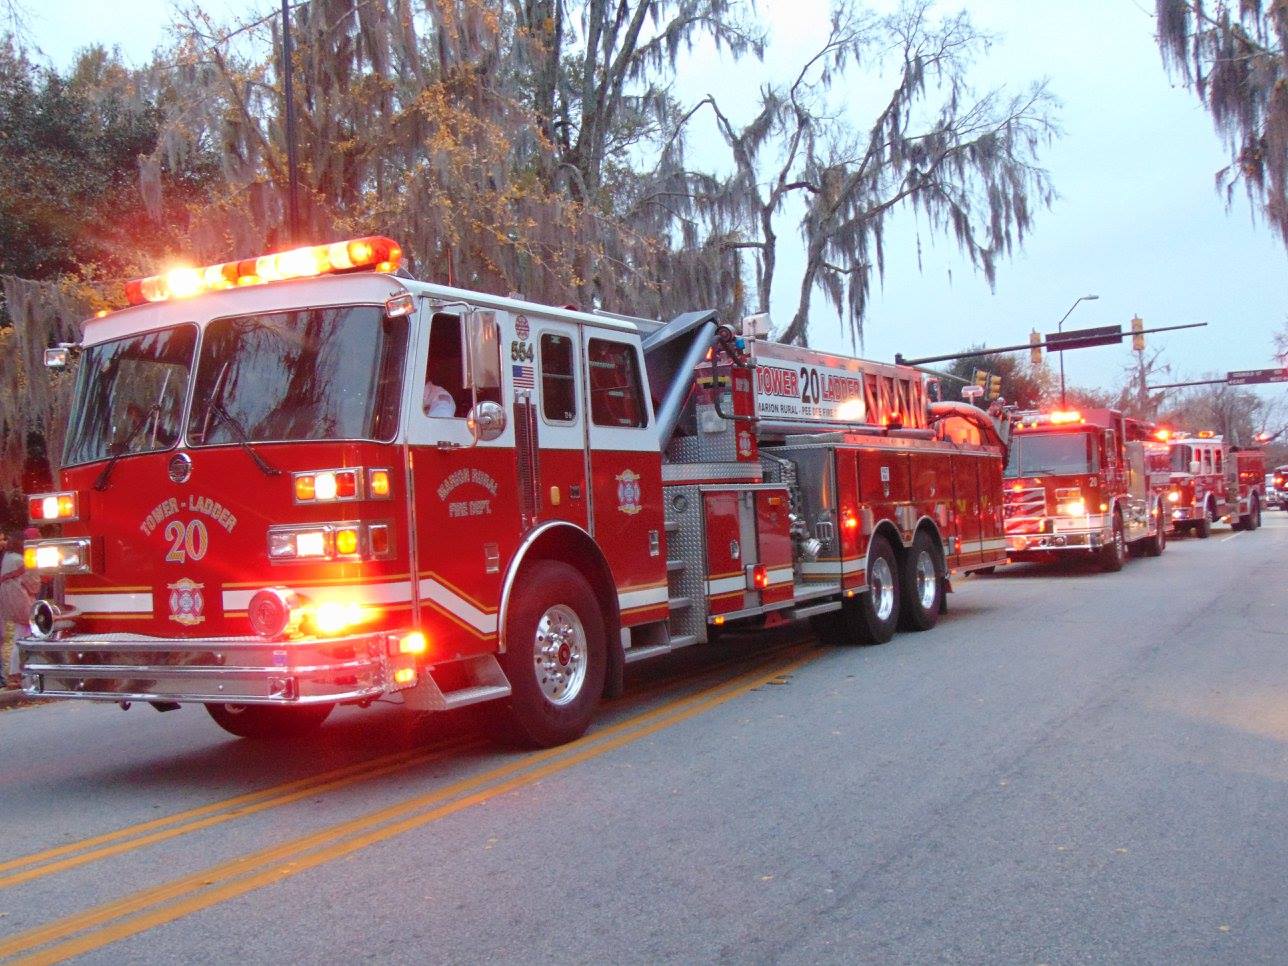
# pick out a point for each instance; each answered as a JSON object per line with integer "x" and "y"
{"x": 523, "y": 377}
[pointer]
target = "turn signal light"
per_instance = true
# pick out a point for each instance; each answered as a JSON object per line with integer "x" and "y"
{"x": 374, "y": 252}
{"x": 51, "y": 507}
{"x": 378, "y": 484}
{"x": 759, "y": 577}
{"x": 346, "y": 542}
{"x": 413, "y": 643}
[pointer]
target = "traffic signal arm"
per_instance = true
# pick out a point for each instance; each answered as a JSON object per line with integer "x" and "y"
{"x": 1048, "y": 344}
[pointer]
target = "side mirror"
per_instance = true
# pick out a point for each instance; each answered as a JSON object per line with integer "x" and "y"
{"x": 482, "y": 351}
{"x": 59, "y": 356}
{"x": 487, "y": 420}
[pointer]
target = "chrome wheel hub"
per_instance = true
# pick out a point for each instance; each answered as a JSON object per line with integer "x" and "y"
{"x": 559, "y": 655}
{"x": 881, "y": 586}
{"x": 927, "y": 582}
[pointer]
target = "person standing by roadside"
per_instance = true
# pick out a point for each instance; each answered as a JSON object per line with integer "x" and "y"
{"x": 18, "y": 591}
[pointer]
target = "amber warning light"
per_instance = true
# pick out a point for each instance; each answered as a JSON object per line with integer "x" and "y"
{"x": 374, "y": 253}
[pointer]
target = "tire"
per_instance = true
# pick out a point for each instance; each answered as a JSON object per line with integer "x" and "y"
{"x": 265, "y": 722}
{"x": 1203, "y": 529}
{"x": 556, "y": 657}
{"x": 1155, "y": 545}
{"x": 1114, "y": 554}
{"x": 922, "y": 584}
{"x": 878, "y": 610}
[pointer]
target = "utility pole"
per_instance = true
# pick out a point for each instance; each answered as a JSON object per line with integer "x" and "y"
{"x": 292, "y": 162}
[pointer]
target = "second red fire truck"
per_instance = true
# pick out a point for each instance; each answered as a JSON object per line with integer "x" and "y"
{"x": 1084, "y": 483}
{"x": 1214, "y": 482}
{"x": 305, "y": 479}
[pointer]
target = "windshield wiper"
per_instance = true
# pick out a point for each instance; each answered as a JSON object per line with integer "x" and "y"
{"x": 100, "y": 484}
{"x": 243, "y": 438}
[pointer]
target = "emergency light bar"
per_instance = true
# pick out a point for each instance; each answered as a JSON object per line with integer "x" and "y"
{"x": 374, "y": 252}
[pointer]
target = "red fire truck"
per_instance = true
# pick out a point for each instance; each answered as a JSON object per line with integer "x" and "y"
{"x": 1214, "y": 482}
{"x": 1084, "y": 482}
{"x": 306, "y": 479}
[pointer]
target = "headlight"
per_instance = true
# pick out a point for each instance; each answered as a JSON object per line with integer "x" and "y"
{"x": 57, "y": 556}
{"x": 329, "y": 541}
{"x": 1074, "y": 508}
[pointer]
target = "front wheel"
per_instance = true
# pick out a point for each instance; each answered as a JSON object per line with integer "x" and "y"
{"x": 1114, "y": 553}
{"x": 1155, "y": 545}
{"x": 922, "y": 584}
{"x": 1203, "y": 529}
{"x": 266, "y": 722}
{"x": 555, "y": 656}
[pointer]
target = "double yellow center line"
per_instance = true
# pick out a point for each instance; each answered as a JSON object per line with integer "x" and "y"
{"x": 113, "y": 921}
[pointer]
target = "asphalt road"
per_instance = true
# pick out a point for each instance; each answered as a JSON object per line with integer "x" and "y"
{"x": 1073, "y": 767}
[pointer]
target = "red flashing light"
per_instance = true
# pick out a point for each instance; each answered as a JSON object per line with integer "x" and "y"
{"x": 375, "y": 252}
{"x": 851, "y": 521}
{"x": 760, "y": 577}
{"x": 1063, "y": 417}
{"x": 1163, "y": 435}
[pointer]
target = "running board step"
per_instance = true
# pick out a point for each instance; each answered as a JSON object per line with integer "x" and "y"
{"x": 679, "y": 603}
{"x": 466, "y": 696}
{"x": 487, "y": 682}
{"x": 673, "y": 566}
{"x": 640, "y": 653}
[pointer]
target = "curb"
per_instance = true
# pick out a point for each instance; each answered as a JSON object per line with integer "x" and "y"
{"x": 13, "y": 698}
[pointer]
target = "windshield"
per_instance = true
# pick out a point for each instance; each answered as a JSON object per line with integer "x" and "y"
{"x": 129, "y": 395}
{"x": 1059, "y": 453}
{"x": 326, "y": 373}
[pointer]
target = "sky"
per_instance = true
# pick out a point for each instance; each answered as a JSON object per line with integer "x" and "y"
{"x": 1138, "y": 221}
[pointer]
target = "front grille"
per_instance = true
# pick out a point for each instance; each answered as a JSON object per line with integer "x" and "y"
{"x": 1027, "y": 502}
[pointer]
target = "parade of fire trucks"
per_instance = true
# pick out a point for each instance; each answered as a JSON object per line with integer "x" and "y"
{"x": 307, "y": 479}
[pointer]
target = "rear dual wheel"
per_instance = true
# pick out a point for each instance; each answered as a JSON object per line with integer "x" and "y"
{"x": 911, "y": 596}
{"x": 923, "y": 584}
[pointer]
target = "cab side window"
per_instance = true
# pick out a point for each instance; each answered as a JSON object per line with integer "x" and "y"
{"x": 558, "y": 384}
{"x": 616, "y": 398}
{"x": 445, "y": 392}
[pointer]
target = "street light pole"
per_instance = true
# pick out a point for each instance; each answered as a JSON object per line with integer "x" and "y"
{"x": 1059, "y": 328}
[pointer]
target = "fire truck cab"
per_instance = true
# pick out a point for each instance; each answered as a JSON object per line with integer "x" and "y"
{"x": 1214, "y": 482}
{"x": 306, "y": 480}
{"x": 1088, "y": 482}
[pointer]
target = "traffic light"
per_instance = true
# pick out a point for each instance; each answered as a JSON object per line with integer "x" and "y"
{"x": 994, "y": 387}
{"x": 981, "y": 377}
{"x": 1137, "y": 334}
{"x": 1035, "y": 353}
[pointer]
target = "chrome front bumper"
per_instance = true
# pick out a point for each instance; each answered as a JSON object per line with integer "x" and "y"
{"x": 241, "y": 670}
{"x": 1061, "y": 538}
